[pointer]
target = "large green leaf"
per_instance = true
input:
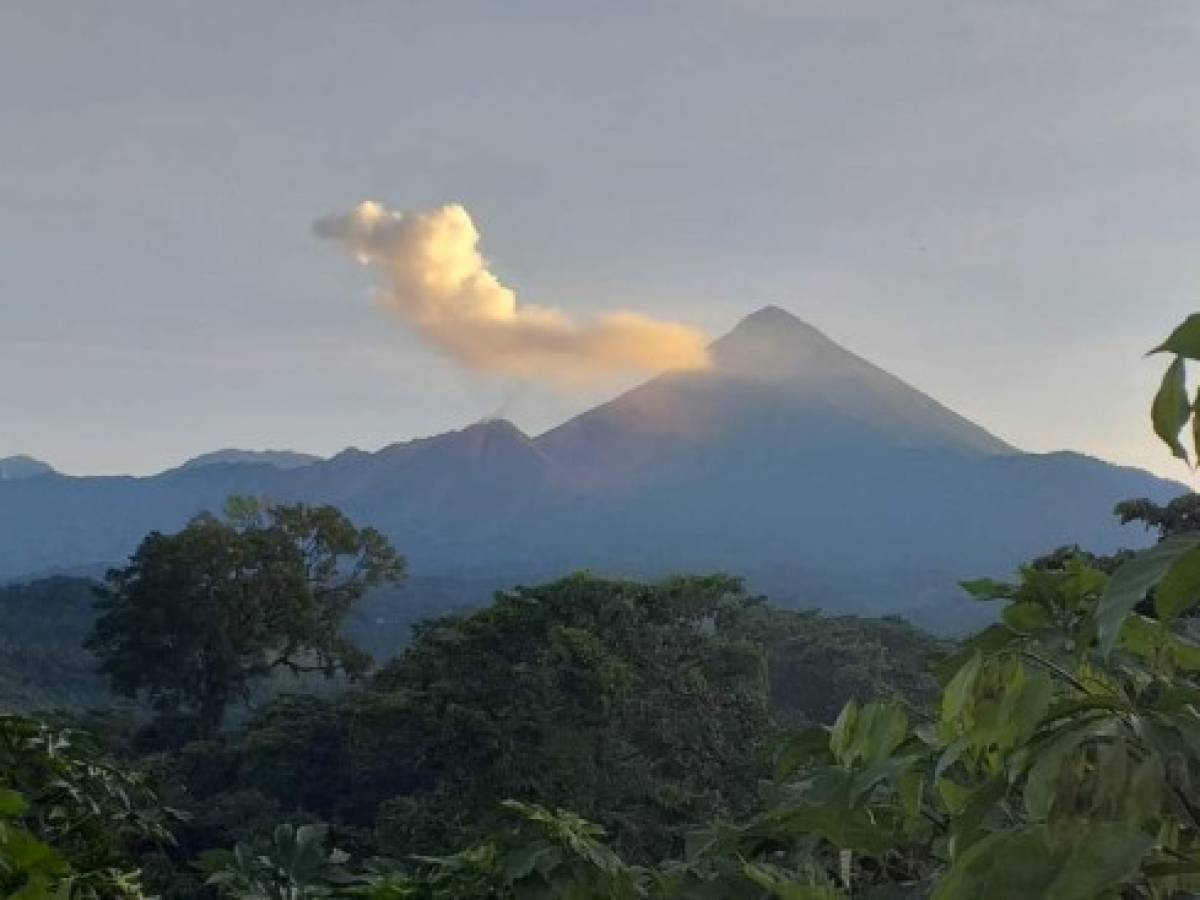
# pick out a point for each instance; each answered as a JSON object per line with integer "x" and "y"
{"x": 24, "y": 853}
{"x": 1041, "y": 781}
{"x": 1129, "y": 584}
{"x": 782, "y": 885}
{"x": 1179, "y": 589}
{"x": 1184, "y": 340}
{"x": 1195, "y": 412}
{"x": 833, "y": 820}
{"x": 989, "y": 589}
{"x": 991, "y": 640}
{"x": 12, "y": 804}
{"x": 790, "y": 750}
{"x": 1026, "y": 616}
{"x": 957, "y": 694}
{"x": 1170, "y": 409}
{"x": 889, "y": 770}
{"x": 972, "y": 807}
{"x": 1155, "y": 643}
{"x": 1023, "y": 864}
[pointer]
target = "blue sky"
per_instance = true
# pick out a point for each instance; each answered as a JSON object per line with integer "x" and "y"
{"x": 997, "y": 201}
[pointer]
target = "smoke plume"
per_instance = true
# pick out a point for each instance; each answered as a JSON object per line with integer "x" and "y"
{"x": 433, "y": 276}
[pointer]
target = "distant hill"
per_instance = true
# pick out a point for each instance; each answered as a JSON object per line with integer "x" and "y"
{"x": 823, "y": 479}
{"x": 14, "y": 467}
{"x": 279, "y": 459}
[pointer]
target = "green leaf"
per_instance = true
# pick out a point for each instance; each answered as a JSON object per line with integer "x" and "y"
{"x": 910, "y": 788}
{"x": 1179, "y": 589}
{"x": 1027, "y": 616}
{"x": 889, "y": 770}
{"x": 1170, "y": 409}
{"x": 974, "y": 806}
{"x": 957, "y": 695}
{"x": 1147, "y": 787}
{"x": 1151, "y": 640}
{"x": 523, "y": 860}
{"x": 841, "y": 735}
{"x": 1129, "y": 584}
{"x": 26, "y": 853}
{"x": 988, "y": 589}
{"x": 951, "y": 754}
{"x": 1196, "y": 424}
{"x": 991, "y": 640}
{"x": 12, "y": 804}
{"x": 882, "y": 727}
{"x": 848, "y": 829}
{"x": 1042, "y": 780}
{"x": 1184, "y": 340}
{"x": 792, "y": 749}
{"x": 1023, "y": 865}
{"x": 781, "y": 885}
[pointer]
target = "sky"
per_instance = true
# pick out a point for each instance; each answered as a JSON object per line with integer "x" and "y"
{"x": 997, "y": 201}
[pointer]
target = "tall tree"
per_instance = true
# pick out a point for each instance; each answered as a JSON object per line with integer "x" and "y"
{"x": 1180, "y": 516}
{"x": 198, "y": 617}
{"x": 640, "y": 704}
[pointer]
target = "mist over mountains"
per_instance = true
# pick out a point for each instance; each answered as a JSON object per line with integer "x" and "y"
{"x": 821, "y": 478}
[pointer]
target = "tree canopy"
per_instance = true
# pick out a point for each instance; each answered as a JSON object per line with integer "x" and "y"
{"x": 197, "y": 617}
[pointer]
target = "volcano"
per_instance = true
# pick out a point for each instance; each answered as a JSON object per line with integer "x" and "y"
{"x": 819, "y": 477}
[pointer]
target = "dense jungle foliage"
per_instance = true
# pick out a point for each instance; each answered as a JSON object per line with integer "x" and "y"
{"x": 592, "y": 739}
{"x": 646, "y": 707}
{"x": 42, "y": 660}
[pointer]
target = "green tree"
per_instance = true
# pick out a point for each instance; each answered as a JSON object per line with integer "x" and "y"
{"x": 198, "y": 617}
{"x": 1179, "y": 516}
{"x": 639, "y": 705}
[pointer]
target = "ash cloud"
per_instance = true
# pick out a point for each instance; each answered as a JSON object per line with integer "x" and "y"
{"x": 433, "y": 277}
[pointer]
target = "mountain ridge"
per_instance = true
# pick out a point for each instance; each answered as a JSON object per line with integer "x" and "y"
{"x": 23, "y": 466}
{"x": 230, "y": 456}
{"x": 823, "y": 479}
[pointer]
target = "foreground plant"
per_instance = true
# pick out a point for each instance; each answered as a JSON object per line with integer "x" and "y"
{"x": 71, "y": 821}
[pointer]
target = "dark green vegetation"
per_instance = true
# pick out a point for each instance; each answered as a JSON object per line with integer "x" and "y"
{"x": 643, "y": 707}
{"x": 647, "y": 708}
{"x": 43, "y": 664}
{"x": 1058, "y": 762}
{"x": 42, "y": 660}
{"x": 687, "y": 727}
{"x": 197, "y": 618}
{"x": 71, "y": 822}
{"x": 590, "y": 739}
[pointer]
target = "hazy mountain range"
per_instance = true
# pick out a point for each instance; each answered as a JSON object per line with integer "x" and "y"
{"x": 14, "y": 467}
{"x": 821, "y": 478}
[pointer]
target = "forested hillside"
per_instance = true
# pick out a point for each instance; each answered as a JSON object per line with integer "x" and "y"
{"x": 645, "y": 707}
{"x": 43, "y": 664}
{"x": 659, "y": 714}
